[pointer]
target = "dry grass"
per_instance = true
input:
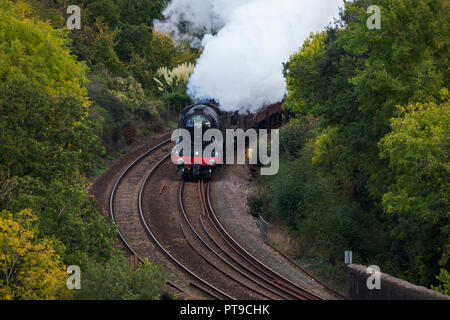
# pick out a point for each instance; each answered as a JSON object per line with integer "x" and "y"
{"x": 279, "y": 236}
{"x": 303, "y": 253}
{"x": 174, "y": 77}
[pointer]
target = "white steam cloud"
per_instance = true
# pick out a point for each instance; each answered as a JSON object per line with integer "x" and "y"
{"x": 245, "y": 44}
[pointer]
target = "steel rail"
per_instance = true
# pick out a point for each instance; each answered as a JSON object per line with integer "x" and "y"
{"x": 111, "y": 207}
{"x": 199, "y": 287}
{"x": 303, "y": 293}
{"x": 162, "y": 248}
{"x": 216, "y": 267}
{"x": 298, "y": 266}
{"x": 186, "y": 218}
{"x": 261, "y": 274}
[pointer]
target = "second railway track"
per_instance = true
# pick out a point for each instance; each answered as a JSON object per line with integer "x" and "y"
{"x": 126, "y": 213}
{"x": 188, "y": 238}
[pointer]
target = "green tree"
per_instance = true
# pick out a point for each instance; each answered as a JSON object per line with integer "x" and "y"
{"x": 48, "y": 143}
{"x": 352, "y": 78}
{"x": 141, "y": 11}
{"x": 444, "y": 278}
{"x": 43, "y": 102}
{"x": 417, "y": 150}
{"x": 117, "y": 280}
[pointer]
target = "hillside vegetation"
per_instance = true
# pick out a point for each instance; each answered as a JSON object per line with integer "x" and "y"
{"x": 68, "y": 99}
{"x": 365, "y": 164}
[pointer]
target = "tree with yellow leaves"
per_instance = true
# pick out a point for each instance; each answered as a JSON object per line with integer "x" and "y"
{"x": 29, "y": 266}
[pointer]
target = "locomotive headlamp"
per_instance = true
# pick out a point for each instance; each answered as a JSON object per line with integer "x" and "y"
{"x": 212, "y": 162}
{"x": 180, "y": 161}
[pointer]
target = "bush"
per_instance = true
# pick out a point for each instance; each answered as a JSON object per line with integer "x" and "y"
{"x": 444, "y": 278}
{"x": 117, "y": 280}
{"x": 304, "y": 197}
{"x": 292, "y": 138}
{"x": 29, "y": 266}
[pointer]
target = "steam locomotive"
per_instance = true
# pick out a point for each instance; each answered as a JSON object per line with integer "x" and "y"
{"x": 199, "y": 117}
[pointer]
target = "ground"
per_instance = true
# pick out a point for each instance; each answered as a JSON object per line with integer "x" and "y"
{"x": 229, "y": 191}
{"x": 230, "y": 188}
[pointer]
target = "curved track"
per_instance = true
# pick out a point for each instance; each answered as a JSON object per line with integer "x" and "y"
{"x": 232, "y": 269}
{"x": 128, "y": 173}
{"x": 166, "y": 252}
{"x": 240, "y": 277}
{"x": 255, "y": 266}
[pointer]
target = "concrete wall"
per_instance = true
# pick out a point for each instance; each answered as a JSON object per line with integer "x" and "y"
{"x": 391, "y": 288}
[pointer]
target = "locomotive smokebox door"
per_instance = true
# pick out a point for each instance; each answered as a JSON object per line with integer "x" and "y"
{"x": 196, "y": 170}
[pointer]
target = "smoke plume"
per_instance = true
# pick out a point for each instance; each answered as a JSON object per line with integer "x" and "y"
{"x": 245, "y": 44}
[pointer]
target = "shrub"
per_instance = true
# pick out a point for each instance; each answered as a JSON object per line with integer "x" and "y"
{"x": 29, "y": 266}
{"x": 117, "y": 280}
{"x": 292, "y": 138}
{"x": 129, "y": 132}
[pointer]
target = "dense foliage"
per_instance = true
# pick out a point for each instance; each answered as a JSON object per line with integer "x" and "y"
{"x": 47, "y": 141}
{"x": 120, "y": 282}
{"x": 124, "y": 52}
{"x": 372, "y": 175}
{"x": 64, "y": 96}
{"x": 32, "y": 269}
{"x": 364, "y": 167}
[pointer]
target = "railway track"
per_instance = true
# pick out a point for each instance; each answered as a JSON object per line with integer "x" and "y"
{"x": 171, "y": 237}
{"x": 218, "y": 293}
{"x": 127, "y": 173}
{"x": 300, "y": 268}
{"x": 235, "y": 251}
{"x": 239, "y": 276}
{"x": 112, "y": 213}
{"x": 198, "y": 246}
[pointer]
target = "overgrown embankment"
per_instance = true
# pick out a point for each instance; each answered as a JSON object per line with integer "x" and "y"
{"x": 364, "y": 167}
{"x": 67, "y": 100}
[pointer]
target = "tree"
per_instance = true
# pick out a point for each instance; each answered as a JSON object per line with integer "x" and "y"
{"x": 117, "y": 280}
{"x": 43, "y": 102}
{"x": 352, "y": 79}
{"x": 417, "y": 151}
{"x": 29, "y": 266}
{"x": 47, "y": 141}
{"x": 444, "y": 278}
{"x": 141, "y": 11}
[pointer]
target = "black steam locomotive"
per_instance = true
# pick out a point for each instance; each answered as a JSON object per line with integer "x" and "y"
{"x": 206, "y": 115}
